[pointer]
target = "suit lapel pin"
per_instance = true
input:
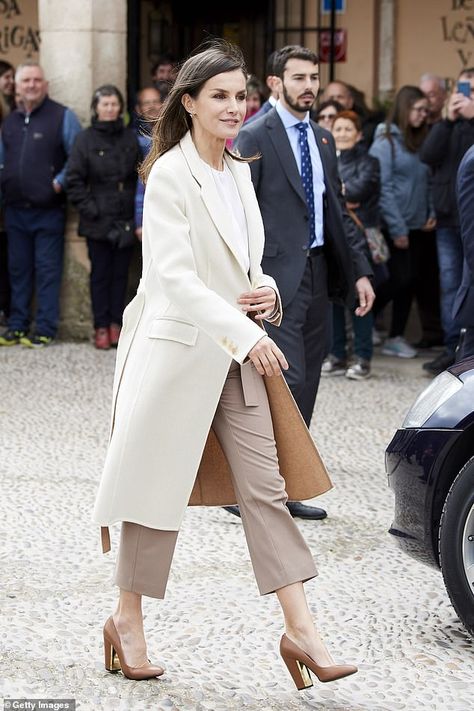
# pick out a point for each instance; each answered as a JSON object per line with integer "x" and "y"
{"x": 324, "y": 140}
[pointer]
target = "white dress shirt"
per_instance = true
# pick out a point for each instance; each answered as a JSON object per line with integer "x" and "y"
{"x": 289, "y": 122}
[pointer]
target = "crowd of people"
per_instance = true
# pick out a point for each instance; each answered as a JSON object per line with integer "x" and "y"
{"x": 405, "y": 201}
{"x": 47, "y": 161}
{"x": 410, "y": 193}
{"x": 398, "y": 170}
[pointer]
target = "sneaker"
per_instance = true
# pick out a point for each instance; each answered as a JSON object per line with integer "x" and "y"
{"x": 443, "y": 361}
{"x": 102, "y": 339}
{"x": 11, "y": 338}
{"x": 114, "y": 334}
{"x": 398, "y": 347}
{"x": 333, "y": 366}
{"x": 359, "y": 371}
{"x": 36, "y": 341}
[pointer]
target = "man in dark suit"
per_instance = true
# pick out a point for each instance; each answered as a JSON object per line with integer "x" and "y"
{"x": 313, "y": 249}
{"x": 463, "y": 310}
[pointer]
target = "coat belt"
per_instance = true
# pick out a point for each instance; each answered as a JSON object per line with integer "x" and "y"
{"x": 248, "y": 375}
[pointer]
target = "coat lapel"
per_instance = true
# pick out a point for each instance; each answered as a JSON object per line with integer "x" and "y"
{"x": 252, "y": 213}
{"x": 284, "y": 152}
{"x": 209, "y": 194}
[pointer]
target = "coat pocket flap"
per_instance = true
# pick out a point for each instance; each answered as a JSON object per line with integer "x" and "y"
{"x": 173, "y": 330}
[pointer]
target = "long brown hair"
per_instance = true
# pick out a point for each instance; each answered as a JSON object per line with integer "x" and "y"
{"x": 399, "y": 114}
{"x": 210, "y": 58}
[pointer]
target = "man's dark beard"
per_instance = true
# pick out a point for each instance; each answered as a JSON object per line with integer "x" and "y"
{"x": 292, "y": 104}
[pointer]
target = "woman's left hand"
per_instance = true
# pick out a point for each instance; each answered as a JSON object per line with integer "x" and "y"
{"x": 262, "y": 300}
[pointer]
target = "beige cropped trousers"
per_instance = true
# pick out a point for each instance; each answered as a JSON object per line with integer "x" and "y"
{"x": 279, "y": 554}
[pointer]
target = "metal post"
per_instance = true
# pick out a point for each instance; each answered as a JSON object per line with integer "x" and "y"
{"x": 332, "y": 49}
{"x": 133, "y": 53}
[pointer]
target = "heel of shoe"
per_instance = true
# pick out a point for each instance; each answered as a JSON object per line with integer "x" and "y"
{"x": 299, "y": 673}
{"x": 111, "y": 659}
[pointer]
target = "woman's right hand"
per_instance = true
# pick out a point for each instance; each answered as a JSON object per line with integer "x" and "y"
{"x": 401, "y": 242}
{"x": 267, "y": 357}
{"x": 456, "y": 102}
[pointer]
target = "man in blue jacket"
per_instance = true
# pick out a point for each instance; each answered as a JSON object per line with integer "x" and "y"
{"x": 36, "y": 140}
{"x": 443, "y": 150}
{"x": 464, "y": 301}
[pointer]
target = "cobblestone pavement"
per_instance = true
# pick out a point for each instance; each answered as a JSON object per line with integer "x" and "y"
{"x": 217, "y": 638}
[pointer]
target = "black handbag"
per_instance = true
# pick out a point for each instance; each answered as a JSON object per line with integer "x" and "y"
{"x": 121, "y": 234}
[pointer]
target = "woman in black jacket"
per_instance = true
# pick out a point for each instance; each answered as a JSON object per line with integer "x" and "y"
{"x": 360, "y": 176}
{"x": 101, "y": 178}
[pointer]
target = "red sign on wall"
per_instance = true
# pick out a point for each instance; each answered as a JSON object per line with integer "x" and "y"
{"x": 340, "y": 46}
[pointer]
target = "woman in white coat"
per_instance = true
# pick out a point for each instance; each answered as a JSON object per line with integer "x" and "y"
{"x": 191, "y": 357}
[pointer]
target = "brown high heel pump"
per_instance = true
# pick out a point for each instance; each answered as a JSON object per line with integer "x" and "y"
{"x": 299, "y": 663}
{"x": 114, "y": 658}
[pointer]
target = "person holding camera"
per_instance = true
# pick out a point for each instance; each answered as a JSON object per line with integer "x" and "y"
{"x": 443, "y": 150}
{"x": 102, "y": 177}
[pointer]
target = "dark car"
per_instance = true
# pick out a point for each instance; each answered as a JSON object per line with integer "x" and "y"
{"x": 430, "y": 467}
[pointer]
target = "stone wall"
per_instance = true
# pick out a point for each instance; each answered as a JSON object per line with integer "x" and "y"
{"x": 83, "y": 45}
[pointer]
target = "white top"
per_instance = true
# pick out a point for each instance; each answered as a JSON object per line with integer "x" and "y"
{"x": 229, "y": 193}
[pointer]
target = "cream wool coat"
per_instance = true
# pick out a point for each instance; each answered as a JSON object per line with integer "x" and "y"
{"x": 179, "y": 335}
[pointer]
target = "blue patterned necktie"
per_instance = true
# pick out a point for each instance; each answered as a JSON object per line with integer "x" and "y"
{"x": 307, "y": 177}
